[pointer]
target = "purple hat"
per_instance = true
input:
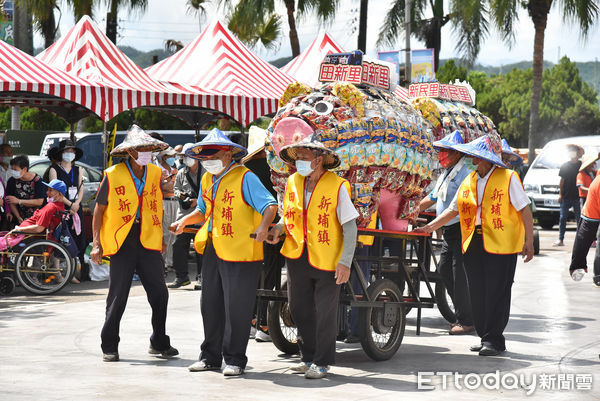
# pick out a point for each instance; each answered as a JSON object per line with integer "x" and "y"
{"x": 449, "y": 141}
{"x": 487, "y": 147}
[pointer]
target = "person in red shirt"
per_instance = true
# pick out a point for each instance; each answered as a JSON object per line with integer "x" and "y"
{"x": 587, "y": 232}
{"x": 47, "y": 217}
{"x": 585, "y": 176}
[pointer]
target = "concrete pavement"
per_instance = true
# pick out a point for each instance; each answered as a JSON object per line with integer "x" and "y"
{"x": 50, "y": 350}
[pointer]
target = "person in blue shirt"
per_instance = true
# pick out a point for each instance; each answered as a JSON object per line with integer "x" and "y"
{"x": 235, "y": 211}
{"x": 451, "y": 258}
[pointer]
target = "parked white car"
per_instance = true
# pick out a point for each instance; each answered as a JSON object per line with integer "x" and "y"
{"x": 541, "y": 181}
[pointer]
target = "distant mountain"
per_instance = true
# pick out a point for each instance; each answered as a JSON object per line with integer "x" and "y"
{"x": 144, "y": 59}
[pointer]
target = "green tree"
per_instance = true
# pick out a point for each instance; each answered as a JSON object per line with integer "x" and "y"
{"x": 504, "y": 15}
{"x": 82, "y": 7}
{"x": 450, "y": 71}
{"x": 266, "y": 31}
{"x": 252, "y": 10}
{"x": 43, "y": 18}
{"x": 37, "y": 119}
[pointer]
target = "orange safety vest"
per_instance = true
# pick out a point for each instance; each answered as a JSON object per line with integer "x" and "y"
{"x": 501, "y": 224}
{"x": 122, "y": 206}
{"x": 369, "y": 239}
{"x": 233, "y": 220}
{"x": 317, "y": 224}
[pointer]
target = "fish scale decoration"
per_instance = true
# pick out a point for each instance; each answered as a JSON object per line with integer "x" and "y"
{"x": 382, "y": 142}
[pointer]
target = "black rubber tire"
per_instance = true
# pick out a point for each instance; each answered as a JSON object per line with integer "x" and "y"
{"x": 370, "y": 320}
{"x": 547, "y": 223}
{"x": 441, "y": 298}
{"x": 282, "y": 329}
{"x": 29, "y": 276}
{"x": 536, "y": 242}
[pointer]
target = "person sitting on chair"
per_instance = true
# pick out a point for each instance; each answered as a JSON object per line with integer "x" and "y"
{"x": 47, "y": 217}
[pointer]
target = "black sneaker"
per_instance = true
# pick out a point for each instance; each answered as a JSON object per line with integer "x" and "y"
{"x": 110, "y": 357}
{"x": 179, "y": 282}
{"x": 168, "y": 353}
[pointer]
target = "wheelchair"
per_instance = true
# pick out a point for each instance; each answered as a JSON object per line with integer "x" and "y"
{"x": 40, "y": 264}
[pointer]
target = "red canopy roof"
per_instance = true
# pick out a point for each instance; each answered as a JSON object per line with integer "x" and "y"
{"x": 217, "y": 61}
{"x": 27, "y": 81}
{"x": 305, "y": 67}
{"x": 86, "y": 52}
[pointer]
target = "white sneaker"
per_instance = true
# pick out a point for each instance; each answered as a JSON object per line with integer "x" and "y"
{"x": 302, "y": 367}
{"x": 232, "y": 370}
{"x": 316, "y": 372}
{"x": 558, "y": 243}
{"x": 262, "y": 337}
{"x": 202, "y": 366}
{"x": 252, "y": 332}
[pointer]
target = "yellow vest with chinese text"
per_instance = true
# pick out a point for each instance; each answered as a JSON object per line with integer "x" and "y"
{"x": 233, "y": 220}
{"x": 317, "y": 223}
{"x": 501, "y": 224}
{"x": 122, "y": 206}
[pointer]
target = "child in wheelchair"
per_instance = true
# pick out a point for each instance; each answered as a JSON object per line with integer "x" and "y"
{"x": 47, "y": 218}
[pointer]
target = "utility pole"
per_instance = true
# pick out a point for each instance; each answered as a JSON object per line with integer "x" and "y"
{"x": 407, "y": 40}
{"x": 362, "y": 26}
{"x": 23, "y": 40}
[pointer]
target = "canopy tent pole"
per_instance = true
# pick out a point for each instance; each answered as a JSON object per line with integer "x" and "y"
{"x": 72, "y": 132}
{"x": 105, "y": 145}
{"x": 244, "y": 136}
{"x": 197, "y": 133}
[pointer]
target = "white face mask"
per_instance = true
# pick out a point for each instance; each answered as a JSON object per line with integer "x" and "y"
{"x": 6, "y": 159}
{"x": 189, "y": 161}
{"x": 143, "y": 158}
{"x": 303, "y": 167}
{"x": 68, "y": 157}
{"x": 15, "y": 174}
{"x": 50, "y": 199}
{"x": 213, "y": 166}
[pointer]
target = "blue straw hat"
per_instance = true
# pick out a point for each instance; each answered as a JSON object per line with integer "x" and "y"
{"x": 449, "y": 141}
{"x": 510, "y": 155}
{"x": 58, "y": 185}
{"x": 214, "y": 141}
{"x": 487, "y": 147}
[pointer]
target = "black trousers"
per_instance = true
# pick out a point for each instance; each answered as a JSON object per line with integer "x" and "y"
{"x": 587, "y": 232}
{"x": 269, "y": 274}
{"x": 453, "y": 273}
{"x": 132, "y": 258}
{"x": 181, "y": 250}
{"x": 313, "y": 297}
{"x": 227, "y": 304}
{"x": 490, "y": 278}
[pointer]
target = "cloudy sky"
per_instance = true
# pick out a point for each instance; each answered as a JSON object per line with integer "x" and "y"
{"x": 170, "y": 20}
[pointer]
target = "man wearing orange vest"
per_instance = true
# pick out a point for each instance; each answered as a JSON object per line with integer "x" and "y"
{"x": 319, "y": 222}
{"x": 496, "y": 224}
{"x": 233, "y": 206}
{"x": 127, "y": 226}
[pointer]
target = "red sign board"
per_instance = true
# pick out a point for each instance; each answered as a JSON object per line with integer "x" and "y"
{"x": 455, "y": 93}
{"x": 372, "y": 74}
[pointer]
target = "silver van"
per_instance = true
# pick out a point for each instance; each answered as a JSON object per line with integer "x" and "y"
{"x": 541, "y": 181}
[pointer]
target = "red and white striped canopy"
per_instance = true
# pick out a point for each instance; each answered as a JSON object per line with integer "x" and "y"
{"x": 28, "y": 81}
{"x": 86, "y": 52}
{"x": 402, "y": 93}
{"x": 305, "y": 67}
{"x": 216, "y": 61}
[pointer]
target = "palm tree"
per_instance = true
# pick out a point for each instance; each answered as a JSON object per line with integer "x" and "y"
{"x": 428, "y": 30}
{"x": 266, "y": 31}
{"x": 113, "y": 8}
{"x": 43, "y": 18}
{"x": 252, "y": 10}
{"x": 197, "y": 7}
{"x": 504, "y": 15}
{"x": 81, "y": 8}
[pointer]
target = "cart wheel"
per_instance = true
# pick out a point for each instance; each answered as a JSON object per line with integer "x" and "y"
{"x": 44, "y": 267}
{"x": 7, "y": 285}
{"x": 380, "y": 330}
{"x": 536, "y": 242}
{"x": 444, "y": 302}
{"x": 282, "y": 329}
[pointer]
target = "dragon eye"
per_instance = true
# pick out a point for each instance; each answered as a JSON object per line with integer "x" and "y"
{"x": 322, "y": 107}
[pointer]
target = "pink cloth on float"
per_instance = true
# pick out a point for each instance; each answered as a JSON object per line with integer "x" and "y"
{"x": 389, "y": 204}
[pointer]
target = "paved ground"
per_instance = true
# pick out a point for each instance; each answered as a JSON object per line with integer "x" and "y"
{"x": 50, "y": 350}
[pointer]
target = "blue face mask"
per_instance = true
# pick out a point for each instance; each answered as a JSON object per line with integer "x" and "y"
{"x": 170, "y": 161}
{"x": 303, "y": 167}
